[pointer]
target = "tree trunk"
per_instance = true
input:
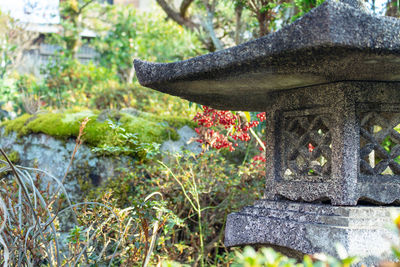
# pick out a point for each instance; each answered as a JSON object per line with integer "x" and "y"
{"x": 262, "y": 21}
{"x": 131, "y": 74}
{"x": 209, "y": 27}
{"x": 184, "y": 7}
{"x": 238, "y": 15}
{"x": 392, "y": 8}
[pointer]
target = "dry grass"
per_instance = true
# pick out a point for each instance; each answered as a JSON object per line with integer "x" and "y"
{"x": 30, "y": 213}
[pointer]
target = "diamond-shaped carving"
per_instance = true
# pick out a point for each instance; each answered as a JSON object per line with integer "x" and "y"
{"x": 380, "y": 143}
{"x": 308, "y": 143}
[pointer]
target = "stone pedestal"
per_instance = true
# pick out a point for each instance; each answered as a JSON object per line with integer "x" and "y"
{"x": 296, "y": 228}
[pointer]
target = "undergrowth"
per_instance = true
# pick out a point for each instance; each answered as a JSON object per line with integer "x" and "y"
{"x": 200, "y": 190}
{"x": 140, "y": 232}
{"x": 33, "y": 205}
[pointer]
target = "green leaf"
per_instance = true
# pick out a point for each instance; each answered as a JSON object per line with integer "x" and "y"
{"x": 307, "y": 261}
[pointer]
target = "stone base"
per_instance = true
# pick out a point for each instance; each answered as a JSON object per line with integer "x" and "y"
{"x": 296, "y": 228}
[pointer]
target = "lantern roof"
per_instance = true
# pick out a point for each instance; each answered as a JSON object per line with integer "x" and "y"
{"x": 334, "y": 42}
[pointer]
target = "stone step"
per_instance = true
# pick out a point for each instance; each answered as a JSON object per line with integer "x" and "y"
{"x": 320, "y": 209}
{"x": 316, "y": 218}
{"x": 295, "y": 228}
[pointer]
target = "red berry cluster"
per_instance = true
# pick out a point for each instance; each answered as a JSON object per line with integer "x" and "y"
{"x": 210, "y": 117}
{"x": 259, "y": 158}
{"x": 261, "y": 116}
{"x": 214, "y": 139}
{"x": 237, "y": 128}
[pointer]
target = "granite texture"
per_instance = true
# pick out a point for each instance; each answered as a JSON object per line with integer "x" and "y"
{"x": 185, "y": 142}
{"x": 338, "y": 120}
{"x": 301, "y": 228}
{"x": 333, "y": 42}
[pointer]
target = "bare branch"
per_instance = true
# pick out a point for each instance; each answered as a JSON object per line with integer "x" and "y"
{"x": 176, "y": 16}
{"x": 184, "y": 7}
{"x": 208, "y": 25}
{"x": 84, "y": 6}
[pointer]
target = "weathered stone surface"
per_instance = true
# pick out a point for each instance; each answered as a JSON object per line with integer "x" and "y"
{"x": 311, "y": 228}
{"x": 53, "y": 156}
{"x": 340, "y": 121}
{"x": 333, "y": 42}
{"x": 184, "y": 143}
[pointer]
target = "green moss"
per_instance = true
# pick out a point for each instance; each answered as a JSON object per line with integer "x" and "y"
{"x": 96, "y": 133}
{"x": 52, "y": 124}
{"x": 17, "y": 125}
{"x": 149, "y": 128}
{"x": 169, "y": 124}
{"x": 173, "y": 121}
{"x": 60, "y": 125}
{"x": 13, "y": 156}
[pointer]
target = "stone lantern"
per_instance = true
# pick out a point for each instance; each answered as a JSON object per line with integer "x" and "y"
{"x": 330, "y": 80}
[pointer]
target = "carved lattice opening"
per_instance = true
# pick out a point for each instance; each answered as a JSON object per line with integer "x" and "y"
{"x": 308, "y": 144}
{"x": 380, "y": 143}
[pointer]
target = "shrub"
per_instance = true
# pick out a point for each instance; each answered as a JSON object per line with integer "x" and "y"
{"x": 209, "y": 179}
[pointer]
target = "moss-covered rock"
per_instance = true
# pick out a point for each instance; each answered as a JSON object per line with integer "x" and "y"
{"x": 53, "y": 156}
{"x": 17, "y": 125}
{"x": 59, "y": 125}
{"x": 147, "y": 127}
{"x": 148, "y": 130}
